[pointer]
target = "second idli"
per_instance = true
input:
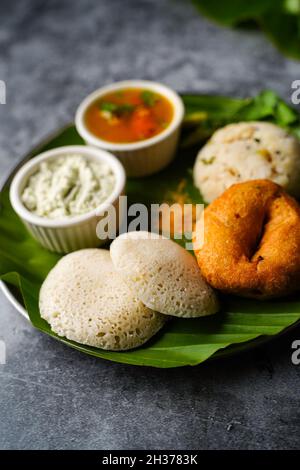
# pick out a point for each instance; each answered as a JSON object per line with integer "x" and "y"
{"x": 164, "y": 276}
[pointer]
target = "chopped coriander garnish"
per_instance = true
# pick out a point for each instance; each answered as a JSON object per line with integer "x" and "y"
{"x": 117, "y": 109}
{"x": 149, "y": 98}
{"x": 107, "y": 106}
{"x": 125, "y": 108}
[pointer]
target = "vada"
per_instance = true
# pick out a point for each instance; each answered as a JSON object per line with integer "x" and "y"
{"x": 251, "y": 243}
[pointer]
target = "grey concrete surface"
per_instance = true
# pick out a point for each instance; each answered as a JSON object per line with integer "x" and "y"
{"x": 52, "y": 53}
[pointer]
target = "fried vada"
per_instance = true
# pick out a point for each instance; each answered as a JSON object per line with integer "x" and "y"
{"x": 251, "y": 244}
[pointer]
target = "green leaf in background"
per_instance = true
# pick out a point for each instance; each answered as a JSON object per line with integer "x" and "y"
{"x": 204, "y": 114}
{"x": 232, "y": 12}
{"x": 203, "y": 118}
{"x": 283, "y": 29}
{"x": 24, "y": 263}
{"x": 292, "y": 6}
{"x": 279, "y": 19}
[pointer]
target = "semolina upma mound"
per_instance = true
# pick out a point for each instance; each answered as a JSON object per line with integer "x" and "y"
{"x": 246, "y": 151}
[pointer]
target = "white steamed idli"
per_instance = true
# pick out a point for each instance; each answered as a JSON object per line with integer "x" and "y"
{"x": 246, "y": 151}
{"x": 164, "y": 276}
{"x": 85, "y": 300}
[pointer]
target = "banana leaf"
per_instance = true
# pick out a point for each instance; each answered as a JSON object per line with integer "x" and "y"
{"x": 279, "y": 19}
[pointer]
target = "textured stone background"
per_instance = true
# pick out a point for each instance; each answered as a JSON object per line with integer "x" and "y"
{"x": 52, "y": 53}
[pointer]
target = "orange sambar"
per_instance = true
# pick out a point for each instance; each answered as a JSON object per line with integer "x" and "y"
{"x": 129, "y": 115}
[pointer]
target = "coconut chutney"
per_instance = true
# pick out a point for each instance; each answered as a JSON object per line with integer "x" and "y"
{"x": 68, "y": 186}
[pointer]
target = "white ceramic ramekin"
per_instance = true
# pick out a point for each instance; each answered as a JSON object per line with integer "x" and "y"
{"x": 67, "y": 234}
{"x": 147, "y": 156}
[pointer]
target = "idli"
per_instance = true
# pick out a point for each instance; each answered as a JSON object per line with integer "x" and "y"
{"x": 164, "y": 276}
{"x": 85, "y": 300}
{"x": 246, "y": 151}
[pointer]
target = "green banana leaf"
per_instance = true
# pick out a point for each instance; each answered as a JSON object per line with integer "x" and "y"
{"x": 279, "y": 19}
{"x": 283, "y": 29}
{"x": 232, "y": 12}
{"x": 241, "y": 324}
